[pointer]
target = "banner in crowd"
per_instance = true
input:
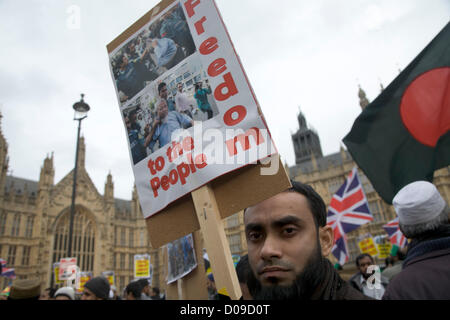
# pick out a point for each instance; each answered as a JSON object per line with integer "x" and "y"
{"x": 366, "y": 244}
{"x": 110, "y": 275}
{"x": 182, "y": 258}
{"x": 142, "y": 266}
{"x": 83, "y": 278}
{"x": 67, "y": 268}
{"x": 56, "y": 273}
{"x": 188, "y": 110}
{"x": 383, "y": 245}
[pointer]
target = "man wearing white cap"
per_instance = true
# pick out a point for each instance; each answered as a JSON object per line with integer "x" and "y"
{"x": 424, "y": 219}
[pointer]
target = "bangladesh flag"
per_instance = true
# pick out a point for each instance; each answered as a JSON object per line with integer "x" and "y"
{"x": 404, "y": 135}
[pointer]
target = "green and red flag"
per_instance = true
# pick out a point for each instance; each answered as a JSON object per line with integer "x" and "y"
{"x": 404, "y": 134}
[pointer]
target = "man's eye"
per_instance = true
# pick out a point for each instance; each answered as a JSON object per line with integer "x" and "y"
{"x": 254, "y": 236}
{"x": 289, "y": 231}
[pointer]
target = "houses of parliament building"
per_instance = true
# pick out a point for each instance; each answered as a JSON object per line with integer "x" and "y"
{"x": 108, "y": 232}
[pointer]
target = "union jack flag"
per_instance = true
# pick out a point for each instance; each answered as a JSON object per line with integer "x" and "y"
{"x": 348, "y": 210}
{"x": 6, "y": 272}
{"x": 395, "y": 235}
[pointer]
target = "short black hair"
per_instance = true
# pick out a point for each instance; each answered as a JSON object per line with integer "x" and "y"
{"x": 160, "y": 86}
{"x": 361, "y": 256}
{"x": 143, "y": 283}
{"x": 315, "y": 201}
{"x": 134, "y": 288}
{"x": 242, "y": 269}
{"x": 388, "y": 261}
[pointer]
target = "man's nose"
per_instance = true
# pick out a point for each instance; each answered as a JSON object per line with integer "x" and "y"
{"x": 271, "y": 248}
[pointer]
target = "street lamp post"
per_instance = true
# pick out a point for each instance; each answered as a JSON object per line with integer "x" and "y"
{"x": 81, "y": 109}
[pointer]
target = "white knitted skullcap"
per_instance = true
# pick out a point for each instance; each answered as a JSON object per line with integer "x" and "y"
{"x": 418, "y": 202}
{"x": 66, "y": 291}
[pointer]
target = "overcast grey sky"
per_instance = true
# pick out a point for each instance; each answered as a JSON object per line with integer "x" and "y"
{"x": 308, "y": 54}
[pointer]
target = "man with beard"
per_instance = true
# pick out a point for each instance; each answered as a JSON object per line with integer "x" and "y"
{"x": 288, "y": 240}
{"x": 424, "y": 218}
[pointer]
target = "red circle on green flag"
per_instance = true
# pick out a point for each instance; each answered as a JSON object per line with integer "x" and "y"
{"x": 425, "y": 106}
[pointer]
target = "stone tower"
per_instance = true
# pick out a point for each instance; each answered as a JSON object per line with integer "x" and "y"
{"x": 306, "y": 142}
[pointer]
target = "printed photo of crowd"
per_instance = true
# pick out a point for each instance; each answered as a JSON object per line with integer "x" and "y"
{"x": 182, "y": 258}
{"x": 173, "y": 102}
{"x": 158, "y": 48}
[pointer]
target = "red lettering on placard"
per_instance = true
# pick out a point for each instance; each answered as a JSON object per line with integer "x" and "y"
{"x": 190, "y": 5}
{"x": 183, "y": 172}
{"x": 244, "y": 140}
{"x": 188, "y": 144}
{"x": 173, "y": 176}
{"x": 151, "y": 166}
{"x": 241, "y": 112}
{"x": 217, "y": 67}
{"x": 230, "y": 87}
{"x": 174, "y": 151}
{"x": 160, "y": 163}
{"x": 154, "y": 183}
{"x": 199, "y": 26}
{"x": 165, "y": 183}
{"x": 208, "y": 46}
{"x": 200, "y": 161}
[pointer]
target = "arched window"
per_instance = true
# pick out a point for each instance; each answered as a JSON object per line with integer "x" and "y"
{"x": 83, "y": 239}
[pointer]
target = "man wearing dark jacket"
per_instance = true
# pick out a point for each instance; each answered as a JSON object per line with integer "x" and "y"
{"x": 365, "y": 281}
{"x": 424, "y": 218}
{"x": 288, "y": 240}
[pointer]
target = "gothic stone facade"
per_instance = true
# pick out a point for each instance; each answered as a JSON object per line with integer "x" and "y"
{"x": 34, "y": 222}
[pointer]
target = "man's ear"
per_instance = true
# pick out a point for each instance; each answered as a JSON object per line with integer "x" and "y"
{"x": 326, "y": 238}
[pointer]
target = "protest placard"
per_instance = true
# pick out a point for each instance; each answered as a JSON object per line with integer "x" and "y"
{"x": 182, "y": 259}
{"x": 110, "y": 276}
{"x": 196, "y": 133}
{"x": 83, "y": 278}
{"x": 173, "y": 153}
{"x": 56, "y": 273}
{"x": 142, "y": 266}
{"x": 67, "y": 268}
{"x": 383, "y": 245}
{"x": 367, "y": 245}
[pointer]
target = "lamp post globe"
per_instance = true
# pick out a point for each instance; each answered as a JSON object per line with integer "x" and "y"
{"x": 81, "y": 109}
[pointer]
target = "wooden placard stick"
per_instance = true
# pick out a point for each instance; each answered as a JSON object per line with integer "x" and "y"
{"x": 216, "y": 242}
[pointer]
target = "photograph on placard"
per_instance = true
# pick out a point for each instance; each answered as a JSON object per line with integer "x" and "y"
{"x": 174, "y": 102}
{"x": 182, "y": 259}
{"x": 156, "y": 48}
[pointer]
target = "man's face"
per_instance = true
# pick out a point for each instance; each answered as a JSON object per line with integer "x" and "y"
{"x": 163, "y": 92}
{"x": 363, "y": 264}
{"x": 163, "y": 110}
{"x": 282, "y": 237}
{"x": 146, "y": 290}
{"x": 124, "y": 61}
{"x": 180, "y": 87}
{"x": 44, "y": 295}
{"x": 130, "y": 296}
{"x": 88, "y": 295}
